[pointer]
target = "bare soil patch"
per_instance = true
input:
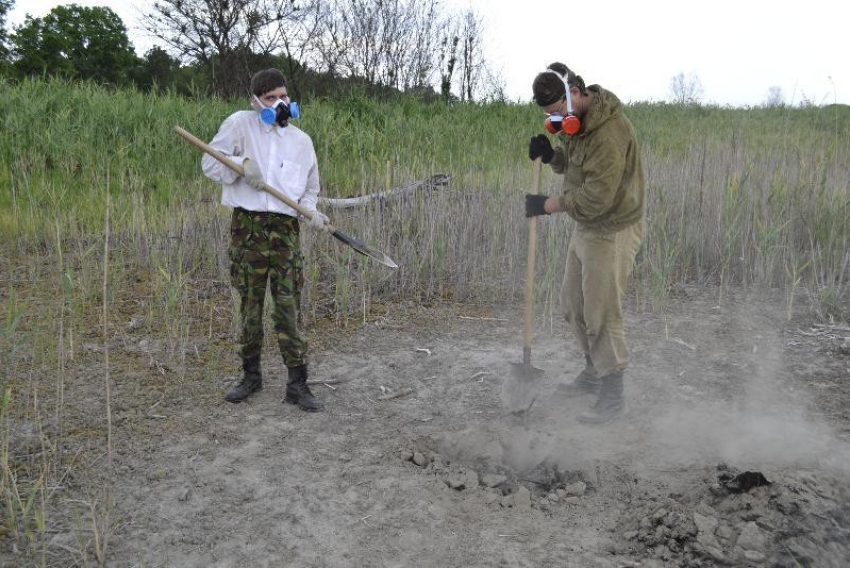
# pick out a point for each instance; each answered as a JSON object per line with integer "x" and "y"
{"x": 416, "y": 463}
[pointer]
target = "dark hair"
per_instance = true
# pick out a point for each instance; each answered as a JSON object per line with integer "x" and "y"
{"x": 267, "y": 80}
{"x": 548, "y": 86}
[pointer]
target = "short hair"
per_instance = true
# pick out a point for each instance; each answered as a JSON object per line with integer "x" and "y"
{"x": 551, "y": 85}
{"x": 267, "y": 80}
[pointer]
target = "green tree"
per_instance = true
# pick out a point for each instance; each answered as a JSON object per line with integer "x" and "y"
{"x": 5, "y": 8}
{"x": 158, "y": 70}
{"x": 75, "y": 41}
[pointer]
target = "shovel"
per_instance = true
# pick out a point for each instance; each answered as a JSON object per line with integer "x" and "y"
{"x": 353, "y": 242}
{"x": 520, "y": 390}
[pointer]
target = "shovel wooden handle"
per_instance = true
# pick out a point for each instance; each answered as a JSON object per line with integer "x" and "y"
{"x": 238, "y": 169}
{"x": 529, "y": 270}
{"x": 353, "y": 242}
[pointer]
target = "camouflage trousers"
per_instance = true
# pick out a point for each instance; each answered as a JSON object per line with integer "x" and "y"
{"x": 266, "y": 247}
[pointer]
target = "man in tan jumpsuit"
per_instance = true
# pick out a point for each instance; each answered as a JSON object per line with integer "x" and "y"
{"x": 604, "y": 192}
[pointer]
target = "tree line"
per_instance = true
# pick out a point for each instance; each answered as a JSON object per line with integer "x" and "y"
{"x": 384, "y": 47}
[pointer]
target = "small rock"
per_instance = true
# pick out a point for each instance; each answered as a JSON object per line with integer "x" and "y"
{"x": 420, "y": 459}
{"x": 406, "y": 454}
{"x": 742, "y": 482}
{"x": 724, "y": 531}
{"x": 519, "y": 499}
{"x": 157, "y": 474}
{"x": 716, "y": 554}
{"x": 752, "y": 538}
{"x": 183, "y": 495}
{"x": 630, "y": 535}
{"x": 490, "y": 497}
{"x": 462, "y": 479}
{"x": 455, "y": 481}
{"x": 553, "y": 497}
{"x": 575, "y": 489}
{"x": 708, "y": 545}
{"x": 572, "y": 501}
{"x": 492, "y": 480}
{"x": 561, "y": 493}
{"x": 508, "y": 487}
{"x": 662, "y": 552}
{"x": 754, "y": 556}
{"x": 659, "y": 515}
{"x": 705, "y": 525}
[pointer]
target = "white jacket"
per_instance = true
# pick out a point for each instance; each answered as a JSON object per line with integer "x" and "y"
{"x": 285, "y": 156}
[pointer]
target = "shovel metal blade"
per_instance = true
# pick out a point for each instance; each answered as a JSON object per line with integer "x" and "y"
{"x": 522, "y": 388}
{"x": 364, "y": 249}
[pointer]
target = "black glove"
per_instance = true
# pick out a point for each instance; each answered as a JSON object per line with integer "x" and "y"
{"x": 540, "y": 146}
{"x": 534, "y": 204}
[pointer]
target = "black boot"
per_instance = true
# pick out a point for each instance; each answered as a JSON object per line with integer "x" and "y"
{"x": 297, "y": 391}
{"x": 610, "y": 404}
{"x": 251, "y": 382}
{"x": 585, "y": 383}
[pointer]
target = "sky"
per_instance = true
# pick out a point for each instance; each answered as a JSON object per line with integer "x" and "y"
{"x": 738, "y": 49}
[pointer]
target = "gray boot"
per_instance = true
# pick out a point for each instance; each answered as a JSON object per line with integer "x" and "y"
{"x": 251, "y": 382}
{"x": 585, "y": 383}
{"x": 610, "y": 403}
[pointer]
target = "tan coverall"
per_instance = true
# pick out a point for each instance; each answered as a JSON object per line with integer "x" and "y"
{"x": 604, "y": 191}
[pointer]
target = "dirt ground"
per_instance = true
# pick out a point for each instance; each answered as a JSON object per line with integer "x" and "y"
{"x": 416, "y": 463}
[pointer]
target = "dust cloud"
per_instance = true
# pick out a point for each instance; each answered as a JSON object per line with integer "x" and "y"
{"x": 739, "y": 408}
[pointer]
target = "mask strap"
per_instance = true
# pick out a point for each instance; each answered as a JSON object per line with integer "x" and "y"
{"x": 566, "y": 89}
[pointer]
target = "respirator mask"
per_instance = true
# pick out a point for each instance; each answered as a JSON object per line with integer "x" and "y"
{"x": 278, "y": 113}
{"x": 556, "y": 122}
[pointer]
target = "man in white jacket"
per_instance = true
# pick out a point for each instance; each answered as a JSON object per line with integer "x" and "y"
{"x": 265, "y": 244}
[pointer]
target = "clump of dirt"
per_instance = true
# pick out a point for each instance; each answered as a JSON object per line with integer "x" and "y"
{"x": 737, "y": 518}
{"x": 773, "y": 525}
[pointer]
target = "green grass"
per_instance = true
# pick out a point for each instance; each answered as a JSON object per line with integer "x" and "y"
{"x": 62, "y": 141}
{"x": 751, "y": 197}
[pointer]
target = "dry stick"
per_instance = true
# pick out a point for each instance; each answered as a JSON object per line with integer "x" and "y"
{"x": 682, "y": 343}
{"x": 60, "y": 403}
{"x": 328, "y": 382}
{"x": 105, "y": 333}
{"x": 398, "y": 394}
{"x": 832, "y": 327}
{"x": 100, "y": 540}
{"x": 437, "y": 181}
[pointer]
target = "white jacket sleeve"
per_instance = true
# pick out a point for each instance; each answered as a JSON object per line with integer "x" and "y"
{"x": 229, "y": 142}
{"x": 311, "y": 191}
